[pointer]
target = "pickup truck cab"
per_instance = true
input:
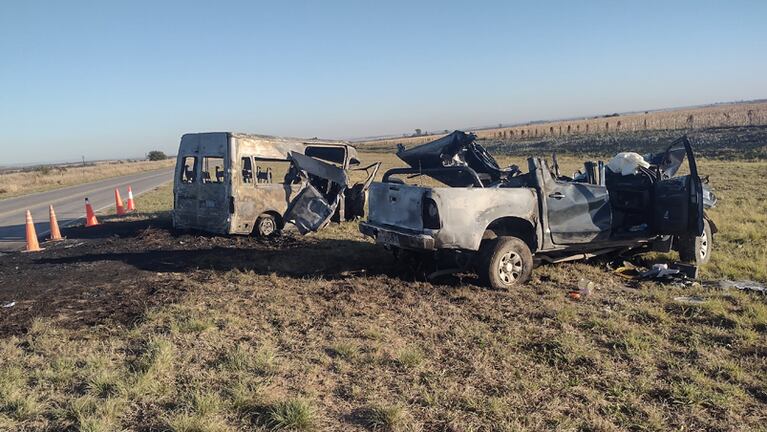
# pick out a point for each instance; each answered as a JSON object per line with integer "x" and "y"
{"x": 502, "y": 217}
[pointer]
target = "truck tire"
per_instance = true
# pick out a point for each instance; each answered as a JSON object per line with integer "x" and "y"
{"x": 697, "y": 249}
{"x": 266, "y": 225}
{"x": 505, "y": 262}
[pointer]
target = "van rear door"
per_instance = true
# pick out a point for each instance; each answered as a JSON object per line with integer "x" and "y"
{"x": 185, "y": 190}
{"x": 202, "y": 183}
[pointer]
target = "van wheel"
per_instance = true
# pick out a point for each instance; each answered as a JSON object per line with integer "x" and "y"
{"x": 505, "y": 262}
{"x": 697, "y": 249}
{"x": 266, "y": 225}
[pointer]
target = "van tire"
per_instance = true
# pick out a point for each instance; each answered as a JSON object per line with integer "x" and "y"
{"x": 697, "y": 250}
{"x": 505, "y": 262}
{"x": 266, "y": 225}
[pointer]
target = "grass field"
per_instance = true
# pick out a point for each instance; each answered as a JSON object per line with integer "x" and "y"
{"x": 49, "y": 177}
{"x": 327, "y": 332}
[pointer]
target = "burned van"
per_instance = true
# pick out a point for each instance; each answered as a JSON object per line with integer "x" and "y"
{"x": 233, "y": 183}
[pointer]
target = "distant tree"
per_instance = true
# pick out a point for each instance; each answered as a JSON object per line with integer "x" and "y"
{"x": 418, "y": 132}
{"x": 156, "y": 155}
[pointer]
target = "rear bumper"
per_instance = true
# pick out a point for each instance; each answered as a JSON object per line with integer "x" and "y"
{"x": 393, "y": 237}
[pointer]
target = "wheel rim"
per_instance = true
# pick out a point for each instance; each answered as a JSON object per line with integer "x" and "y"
{"x": 510, "y": 267}
{"x": 703, "y": 244}
{"x": 267, "y": 226}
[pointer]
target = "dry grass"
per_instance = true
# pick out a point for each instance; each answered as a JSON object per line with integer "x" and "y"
{"x": 251, "y": 349}
{"x": 51, "y": 177}
{"x": 414, "y": 356}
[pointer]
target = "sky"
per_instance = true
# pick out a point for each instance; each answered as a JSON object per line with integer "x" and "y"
{"x": 115, "y": 79}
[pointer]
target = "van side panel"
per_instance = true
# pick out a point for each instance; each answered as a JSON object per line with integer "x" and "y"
{"x": 255, "y": 196}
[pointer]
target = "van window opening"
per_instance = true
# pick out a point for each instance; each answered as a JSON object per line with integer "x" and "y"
{"x": 329, "y": 154}
{"x": 247, "y": 169}
{"x": 189, "y": 169}
{"x": 212, "y": 169}
{"x": 275, "y": 171}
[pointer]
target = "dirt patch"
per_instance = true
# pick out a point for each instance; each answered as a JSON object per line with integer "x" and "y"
{"x": 111, "y": 274}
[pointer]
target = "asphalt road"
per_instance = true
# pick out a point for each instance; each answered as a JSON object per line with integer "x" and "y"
{"x": 69, "y": 204}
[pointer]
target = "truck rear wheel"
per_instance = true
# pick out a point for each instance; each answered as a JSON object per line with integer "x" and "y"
{"x": 505, "y": 262}
{"x": 697, "y": 249}
{"x": 266, "y": 225}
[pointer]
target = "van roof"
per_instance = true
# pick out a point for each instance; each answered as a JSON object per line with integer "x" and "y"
{"x": 314, "y": 140}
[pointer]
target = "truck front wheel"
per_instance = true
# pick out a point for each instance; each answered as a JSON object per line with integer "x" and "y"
{"x": 505, "y": 262}
{"x": 697, "y": 249}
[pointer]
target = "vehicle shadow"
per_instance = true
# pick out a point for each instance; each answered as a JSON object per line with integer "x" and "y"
{"x": 325, "y": 258}
{"x": 153, "y": 245}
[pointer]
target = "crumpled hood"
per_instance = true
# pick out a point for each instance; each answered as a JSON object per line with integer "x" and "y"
{"x": 458, "y": 149}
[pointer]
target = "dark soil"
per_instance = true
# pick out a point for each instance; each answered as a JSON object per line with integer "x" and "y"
{"x": 748, "y": 142}
{"x": 111, "y": 274}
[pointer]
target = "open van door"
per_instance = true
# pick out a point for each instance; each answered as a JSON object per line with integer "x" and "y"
{"x": 317, "y": 201}
{"x": 677, "y": 201}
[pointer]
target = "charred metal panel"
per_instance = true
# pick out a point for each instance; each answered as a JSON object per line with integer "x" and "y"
{"x": 457, "y": 149}
{"x": 578, "y": 212}
{"x": 311, "y": 210}
{"x": 396, "y": 205}
{"x": 198, "y": 205}
{"x": 465, "y": 213}
{"x": 320, "y": 169}
{"x": 255, "y": 198}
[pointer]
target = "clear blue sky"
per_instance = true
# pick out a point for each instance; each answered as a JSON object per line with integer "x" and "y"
{"x": 117, "y": 79}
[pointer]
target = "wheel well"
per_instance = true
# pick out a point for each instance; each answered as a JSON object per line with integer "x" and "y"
{"x": 711, "y": 224}
{"x": 513, "y": 226}
{"x": 277, "y": 218}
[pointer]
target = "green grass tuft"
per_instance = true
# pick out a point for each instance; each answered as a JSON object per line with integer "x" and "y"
{"x": 410, "y": 357}
{"x": 292, "y": 414}
{"x": 388, "y": 418}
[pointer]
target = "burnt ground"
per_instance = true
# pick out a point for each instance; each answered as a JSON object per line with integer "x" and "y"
{"x": 131, "y": 325}
{"x": 110, "y": 274}
{"x": 746, "y": 142}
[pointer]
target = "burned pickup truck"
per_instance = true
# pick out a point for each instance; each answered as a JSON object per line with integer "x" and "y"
{"x": 495, "y": 220}
{"x": 232, "y": 183}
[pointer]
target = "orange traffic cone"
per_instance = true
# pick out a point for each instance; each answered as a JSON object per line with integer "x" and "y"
{"x": 90, "y": 217}
{"x": 32, "y": 244}
{"x": 55, "y": 233}
{"x": 120, "y": 209}
{"x": 131, "y": 204}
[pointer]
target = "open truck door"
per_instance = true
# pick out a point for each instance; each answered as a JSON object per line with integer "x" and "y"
{"x": 317, "y": 202}
{"x": 677, "y": 201}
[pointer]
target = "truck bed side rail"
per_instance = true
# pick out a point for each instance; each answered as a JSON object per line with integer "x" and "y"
{"x": 456, "y": 170}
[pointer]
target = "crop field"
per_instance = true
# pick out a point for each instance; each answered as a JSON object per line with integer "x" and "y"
{"x": 610, "y": 127}
{"x": 132, "y": 326}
